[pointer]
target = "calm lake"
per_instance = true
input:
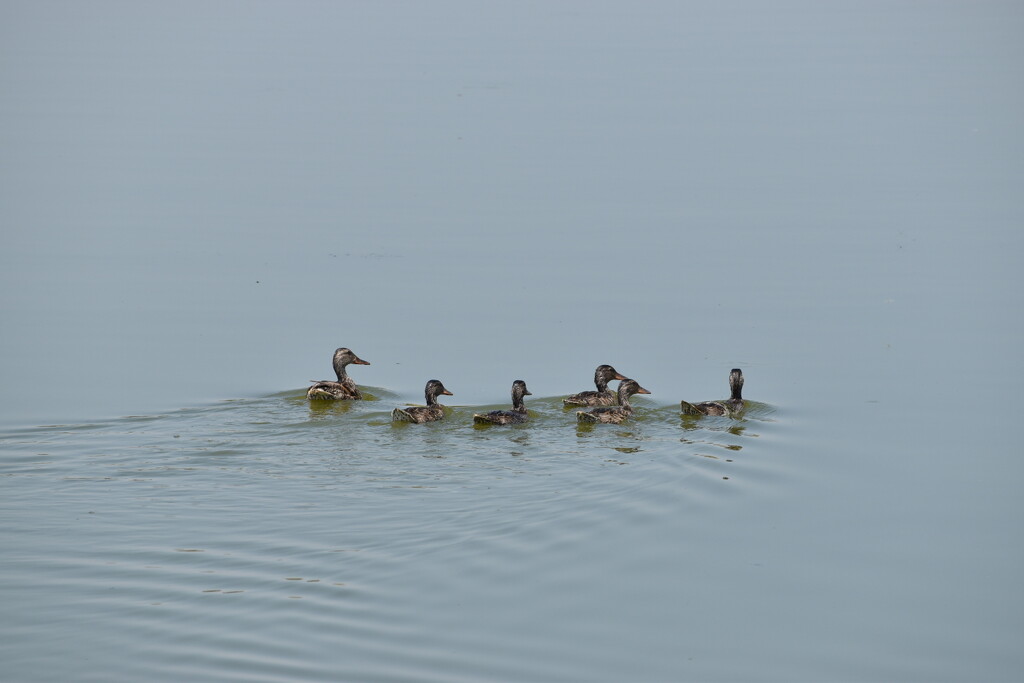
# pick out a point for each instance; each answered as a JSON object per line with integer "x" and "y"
{"x": 199, "y": 203}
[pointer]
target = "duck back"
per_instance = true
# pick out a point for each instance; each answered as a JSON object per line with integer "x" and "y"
{"x": 417, "y": 414}
{"x": 590, "y": 398}
{"x": 500, "y": 417}
{"x": 336, "y": 391}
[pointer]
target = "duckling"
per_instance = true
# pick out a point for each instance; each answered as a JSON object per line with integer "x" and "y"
{"x": 506, "y": 417}
{"x": 428, "y": 413}
{"x": 614, "y": 414}
{"x": 730, "y": 408}
{"x": 601, "y": 397}
{"x": 344, "y": 388}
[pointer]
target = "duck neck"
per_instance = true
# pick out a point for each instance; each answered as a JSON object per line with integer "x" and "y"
{"x": 601, "y": 382}
{"x": 518, "y": 404}
{"x": 624, "y": 398}
{"x": 339, "y": 370}
{"x": 431, "y": 399}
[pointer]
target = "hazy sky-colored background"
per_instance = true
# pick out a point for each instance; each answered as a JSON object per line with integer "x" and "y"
{"x": 201, "y": 201}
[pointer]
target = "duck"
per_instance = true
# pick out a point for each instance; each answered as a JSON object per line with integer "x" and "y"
{"x": 729, "y": 408}
{"x": 614, "y": 414}
{"x": 601, "y": 397}
{"x": 506, "y": 417}
{"x": 428, "y": 413}
{"x": 344, "y": 389}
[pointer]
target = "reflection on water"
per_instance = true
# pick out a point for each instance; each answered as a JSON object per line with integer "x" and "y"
{"x": 723, "y": 427}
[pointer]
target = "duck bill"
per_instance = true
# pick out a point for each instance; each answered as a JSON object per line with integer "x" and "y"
{"x": 447, "y": 393}
{"x": 619, "y": 377}
{"x": 641, "y": 390}
{"x": 360, "y": 361}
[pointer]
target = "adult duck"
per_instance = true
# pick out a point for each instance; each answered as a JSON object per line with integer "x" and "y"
{"x": 601, "y": 397}
{"x": 344, "y": 388}
{"x": 428, "y": 413}
{"x": 614, "y": 414}
{"x": 506, "y": 417}
{"x": 730, "y": 408}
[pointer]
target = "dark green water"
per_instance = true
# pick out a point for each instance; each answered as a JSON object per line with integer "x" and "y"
{"x": 198, "y": 205}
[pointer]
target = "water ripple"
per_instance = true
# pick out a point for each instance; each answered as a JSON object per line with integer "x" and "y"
{"x": 271, "y": 539}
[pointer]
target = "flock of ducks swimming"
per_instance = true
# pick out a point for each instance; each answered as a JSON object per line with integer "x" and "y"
{"x": 611, "y": 407}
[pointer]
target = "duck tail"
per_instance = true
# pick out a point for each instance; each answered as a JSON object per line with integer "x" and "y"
{"x": 689, "y": 409}
{"x": 399, "y": 415}
{"x": 316, "y": 393}
{"x": 582, "y": 416}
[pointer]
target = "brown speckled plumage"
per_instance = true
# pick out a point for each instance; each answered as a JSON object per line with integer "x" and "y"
{"x": 343, "y": 389}
{"x": 614, "y": 414}
{"x": 504, "y": 417}
{"x": 731, "y": 407}
{"x": 428, "y": 413}
{"x": 601, "y": 397}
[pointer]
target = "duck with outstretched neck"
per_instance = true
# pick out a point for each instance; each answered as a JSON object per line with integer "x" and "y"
{"x": 344, "y": 389}
{"x": 601, "y": 397}
{"x": 614, "y": 414}
{"x": 506, "y": 417}
{"x": 731, "y": 407}
{"x": 428, "y": 413}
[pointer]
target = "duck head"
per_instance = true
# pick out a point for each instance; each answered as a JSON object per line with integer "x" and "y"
{"x": 518, "y": 391}
{"x": 344, "y": 357}
{"x": 605, "y": 374}
{"x": 434, "y": 389}
{"x": 347, "y": 357}
{"x": 627, "y": 388}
